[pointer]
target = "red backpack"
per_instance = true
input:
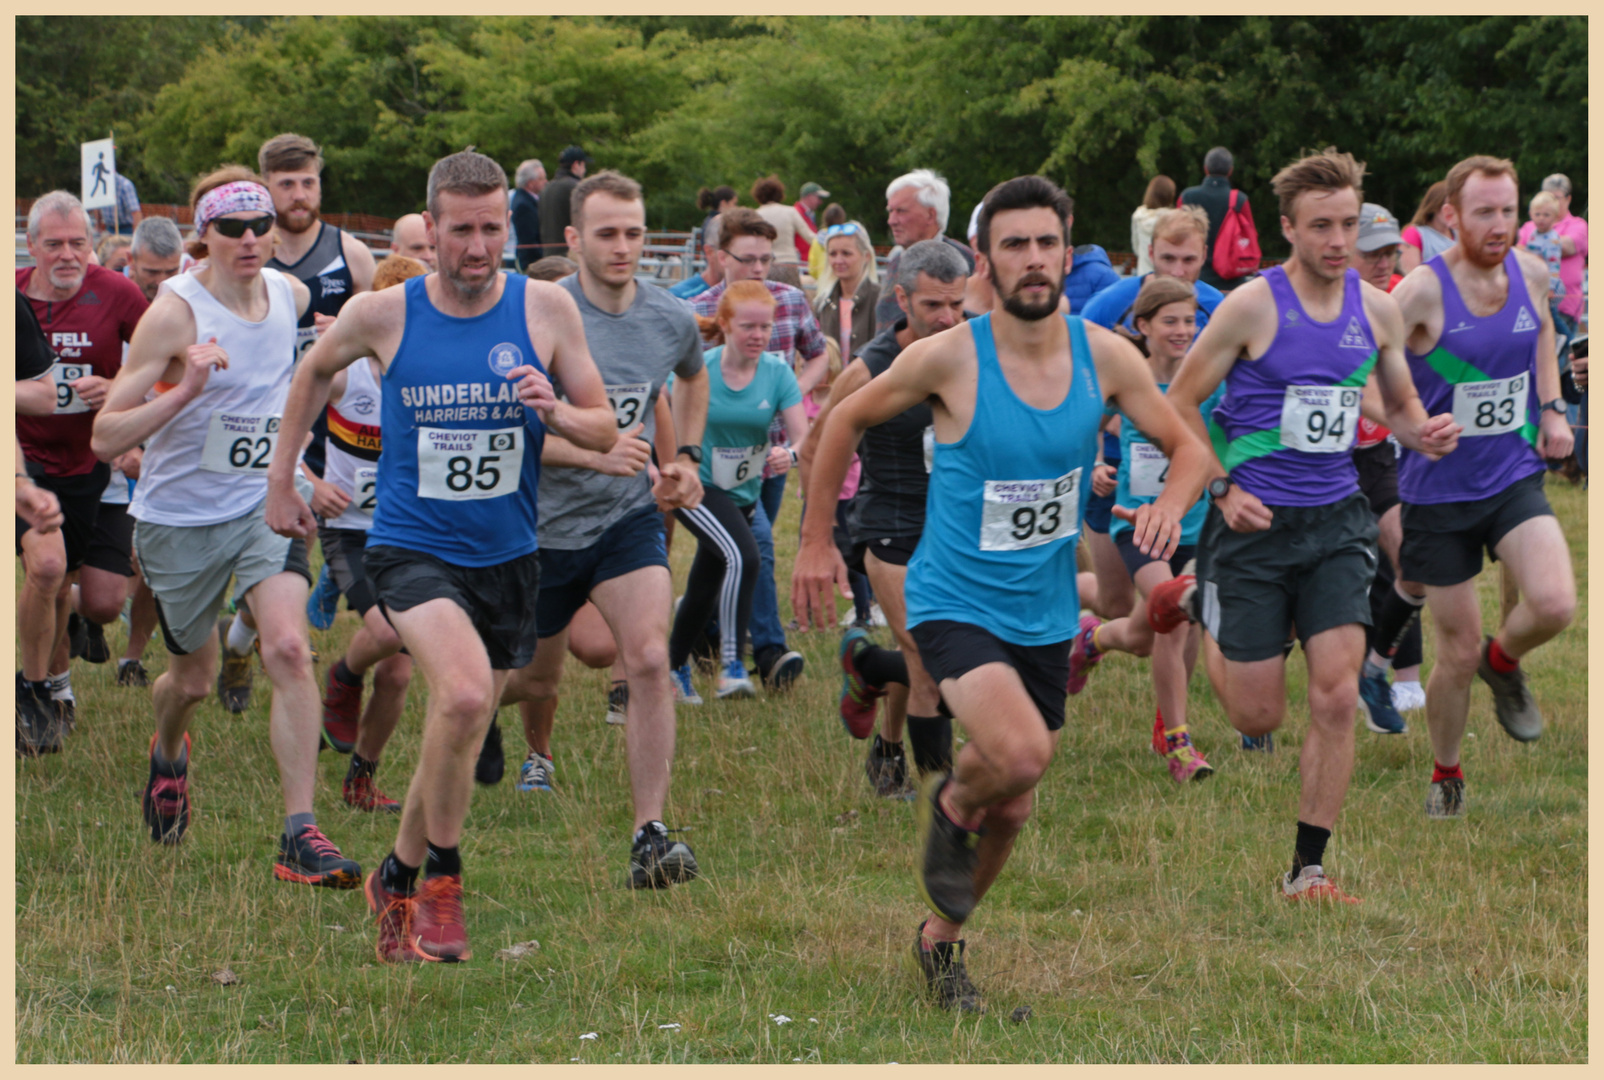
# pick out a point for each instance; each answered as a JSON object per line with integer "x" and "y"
{"x": 1236, "y": 247}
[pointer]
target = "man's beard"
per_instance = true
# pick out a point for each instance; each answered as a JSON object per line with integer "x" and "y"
{"x": 464, "y": 288}
{"x": 1479, "y": 256}
{"x": 1019, "y": 308}
{"x": 283, "y": 222}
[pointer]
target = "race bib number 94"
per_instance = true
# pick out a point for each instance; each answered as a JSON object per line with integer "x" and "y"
{"x": 629, "y": 403}
{"x": 1149, "y": 469}
{"x": 1320, "y": 419}
{"x": 735, "y": 465}
{"x": 239, "y": 444}
{"x": 459, "y": 466}
{"x": 1495, "y": 407}
{"x": 1018, "y": 514}
{"x": 67, "y": 399}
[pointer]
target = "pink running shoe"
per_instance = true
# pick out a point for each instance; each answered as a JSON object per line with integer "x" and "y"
{"x": 1081, "y": 658}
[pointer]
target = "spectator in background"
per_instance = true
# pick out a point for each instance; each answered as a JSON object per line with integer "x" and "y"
{"x": 555, "y": 211}
{"x": 528, "y": 183}
{"x": 834, "y": 214}
{"x": 1087, "y": 271}
{"x": 1375, "y": 253}
{"x": 128, "y": 214}
{"x": 715, "y": 201}
{"x": 1572, "y": 232}
{"x": 410, "y": 237}
{"x": 1426, "y": 236}
{"x": 155, "y": 254}
{"x": 917, "y": 206}
{"x": 713, "y": 273}
{"x": 112, "y": 252}
{"x": 788, "y": 222}
{"x": 1214, "y": 196}
{"x": 812, "y": 196}
{"x": 1160, "y": 197}
{"x": 849, "y": 288}
{"x": 551, "y": 268}
{"x": 1175, "y": 250}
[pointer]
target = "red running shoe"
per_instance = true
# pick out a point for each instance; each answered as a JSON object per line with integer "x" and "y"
{"x": 1170, "y": 605}
{"x": 1081, "y": 660}
{"x": 394, "y": 915}
{"x": 857, "y": 696}
{"x": 437, "y": 930}
{"x": 342, "y": 705}
{"x": 1160, "y": 744}
{"x": 166, "y": 800}
{"x": 363, "y": 793}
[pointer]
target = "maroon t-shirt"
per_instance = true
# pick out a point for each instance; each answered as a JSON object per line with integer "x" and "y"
{"x": 88, "y": 329}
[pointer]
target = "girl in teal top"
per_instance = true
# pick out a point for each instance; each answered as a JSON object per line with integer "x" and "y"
{"x": 747, "y": 388}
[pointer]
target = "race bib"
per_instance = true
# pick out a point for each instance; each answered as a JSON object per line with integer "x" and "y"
{"x": 305, "y": 338}
{"x": 629, "y": 403}
{"x": 1019, "y": 514}
{"x": 1320, "y": 419}
{"x": 459, "y": 466}
{"x": 1494, "y": 407}
{"x": 1149, "y": 469}
{"x": 735, "y": 465}
{"x": 930, "y": 447}
{"x": 365, "y": 497}
{"x": 67, "y": 399}
{"x": 240, "y": 444}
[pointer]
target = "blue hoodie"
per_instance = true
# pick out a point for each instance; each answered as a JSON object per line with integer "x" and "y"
{"x": 1090, "y": 275}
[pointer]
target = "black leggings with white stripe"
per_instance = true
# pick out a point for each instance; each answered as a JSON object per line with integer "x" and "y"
{"x": 722, "y": 577}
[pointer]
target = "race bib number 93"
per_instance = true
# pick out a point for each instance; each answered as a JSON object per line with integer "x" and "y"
{"x": 1018, "y": 514}
{"x": 460, "y": 466}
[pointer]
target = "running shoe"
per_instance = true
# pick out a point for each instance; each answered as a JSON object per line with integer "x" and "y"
{"x": 945, "y": 872}
{"x": 857, "y": 696}
{"x": 312, "y": 859}
{"x": 1512, "y": 701}
{"x": 1081, "y": 659}
{"x": 342, "y": 706}
{"x": 1160, "y": 746}
{"x": 684, "y": 692}
{"x": 1312, "y": 884}
{"x": 656, "y": 861}
{"x": 324, "y": 601}
{"x": 887, "y": 767}
{"x": 66, "y": 707}
{"x": 393, "y": 913}
{"x": 618, "y": 702}
{"x": 1446, "y": 799}
{"x": 362, "y": 793}
{"x": 1185, "y": 761}
{"x": 96, "y": 651}
{"x": 943, "y": 967}
{"x": 1263, "y": 744}
{"x": 1170, "y": 604}
{"x": 437, "y": 931}
{"x": 1375, "y": 701}
{"x": 132, "y": 673}
{"x": 492, "y": 761}
{"x": 234, "y": 676}
{"x": 38, "y": 722}
{"x": 165, "y": 803}
{"x": 77, "y": 635}
{"x": 1408, "y": 696}
{"x": 780, "y": 675}
{"x": 535, "y": 774}
{"x": 734, "y": 682}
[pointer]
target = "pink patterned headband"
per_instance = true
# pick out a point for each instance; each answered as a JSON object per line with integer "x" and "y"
{"x": 230, "y": 199}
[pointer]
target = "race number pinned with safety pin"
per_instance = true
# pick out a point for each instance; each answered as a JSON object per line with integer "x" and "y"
{"x": 1018, "y": 514}
{"x": 68, "y": 400}
{"x": 240, "y": 444}
{"x": 460, "y": 466}
{"x": 735, "y": 465}
{"x": 1320, "y": 419}
{"x": 1494, "y": 407}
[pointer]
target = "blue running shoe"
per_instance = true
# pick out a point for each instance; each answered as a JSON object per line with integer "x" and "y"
{"x": 684, "y": 692}
{"x": 1375, "y": 701}
{"x": 324, "y": 602}
{"x": 735, "y": 682}
{"x": 536, "y": 772}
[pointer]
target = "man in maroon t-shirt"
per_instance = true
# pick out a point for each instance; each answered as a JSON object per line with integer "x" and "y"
{"x": 87, "y": 313}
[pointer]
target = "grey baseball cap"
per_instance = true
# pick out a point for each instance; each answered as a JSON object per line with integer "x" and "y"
{"x": 1377, "y": 228}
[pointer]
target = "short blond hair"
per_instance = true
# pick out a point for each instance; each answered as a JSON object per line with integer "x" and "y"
{"x": 1544, "y": 200}
{"x": 1177, "y": 223}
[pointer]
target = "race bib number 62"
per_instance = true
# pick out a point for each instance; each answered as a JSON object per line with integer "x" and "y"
{"x": 239, "y": 444}
{"x": 1019, "y": 514}
{"x": 459, "y": 466}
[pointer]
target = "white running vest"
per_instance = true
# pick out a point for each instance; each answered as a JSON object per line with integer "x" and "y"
{"x": 354, "y": 426}
{"x": 209, "y": 463}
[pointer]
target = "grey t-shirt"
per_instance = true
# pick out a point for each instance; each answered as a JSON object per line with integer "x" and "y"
{"x": 634, "y": 352}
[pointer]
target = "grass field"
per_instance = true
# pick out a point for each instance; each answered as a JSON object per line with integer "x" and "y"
{"x": 1138, "y": 920}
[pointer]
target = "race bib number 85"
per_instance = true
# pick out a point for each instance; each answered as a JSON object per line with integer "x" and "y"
{"x": 1019, "y": 514}
{"x": 67, "y": 399}
{"x": 1320, "y": 419}
{"x": 1494, "y": 407}
{"x": 459, "y": 466}
{"x": 239, "y": 444}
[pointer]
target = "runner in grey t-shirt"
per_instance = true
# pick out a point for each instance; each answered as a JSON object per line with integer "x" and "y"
{"x": 601, "y": 528}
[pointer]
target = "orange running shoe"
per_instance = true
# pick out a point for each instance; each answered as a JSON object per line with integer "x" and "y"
{"x": 437, "y": 930}
{"x": 393, "y": 912}
{"x": 1312, "y": 884}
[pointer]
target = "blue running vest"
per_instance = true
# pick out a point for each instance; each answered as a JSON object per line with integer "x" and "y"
{"x": 1005, "y": 504}
{"x": 461, "y": 456}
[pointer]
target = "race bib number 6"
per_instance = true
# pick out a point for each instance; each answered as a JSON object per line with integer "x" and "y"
{"x": 1495, "y": 407}
{"x": 67, "y": 399}
{"x": 1320, "y": 419}
{"x": 735, "y": 465}
{"x": 1019, "y": 514}
{"x": 629, "y": 403}
{"x": 459, "y": 466}
{"x": 239, "y": 444}
{"x": 1149, "y": 469}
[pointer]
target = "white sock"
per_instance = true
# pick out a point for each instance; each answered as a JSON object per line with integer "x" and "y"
{"x": 240, "y": 636}
{"x": 61, "y": 686}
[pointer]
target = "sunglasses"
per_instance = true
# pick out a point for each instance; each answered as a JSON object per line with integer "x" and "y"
{"x": 840, "y": 230}
{"x": 234, "y": 228}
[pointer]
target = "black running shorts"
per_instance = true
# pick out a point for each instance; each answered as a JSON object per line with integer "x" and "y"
{"x": 1443, "y": 542}
{"x": 499, "y": 600}
{"x": 951, "y": 650}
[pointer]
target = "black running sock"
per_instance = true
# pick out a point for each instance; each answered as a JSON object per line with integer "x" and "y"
{"x": 1398, "y": 614}
{"x": 442, "y": 862}
{"x": 931, "y": 739}
{"x": 396, "y": 876}
{"x": 1311, "y": 846}
{"x": 880, "y": 666}
{"x": 296, "y": 822}
{"x": 343, "y": 675}
{"x": 360, "y": 766}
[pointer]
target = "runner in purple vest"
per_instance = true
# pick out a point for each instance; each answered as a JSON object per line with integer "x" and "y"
{"x": 1290, "y": 542}
{"x": 1481, "y": 343}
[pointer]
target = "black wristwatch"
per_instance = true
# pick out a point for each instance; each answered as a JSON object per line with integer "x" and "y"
{"x": 692, "y": 452}
{"x": 1558, "y": 405}
{"x": 1219, "y": 486}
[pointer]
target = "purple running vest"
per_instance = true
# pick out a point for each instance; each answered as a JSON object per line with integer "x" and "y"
{"x": 1483, "y": 370}
{"x": 1292, "y": 449}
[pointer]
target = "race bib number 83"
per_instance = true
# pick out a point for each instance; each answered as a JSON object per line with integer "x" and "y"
{"x": 1018, "y": 514}
{"x": 1494, "y": 407}
{"x": 1320, "y": 419}
{"x": 459, "y": 466}
{"x": 239, "y": 444}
